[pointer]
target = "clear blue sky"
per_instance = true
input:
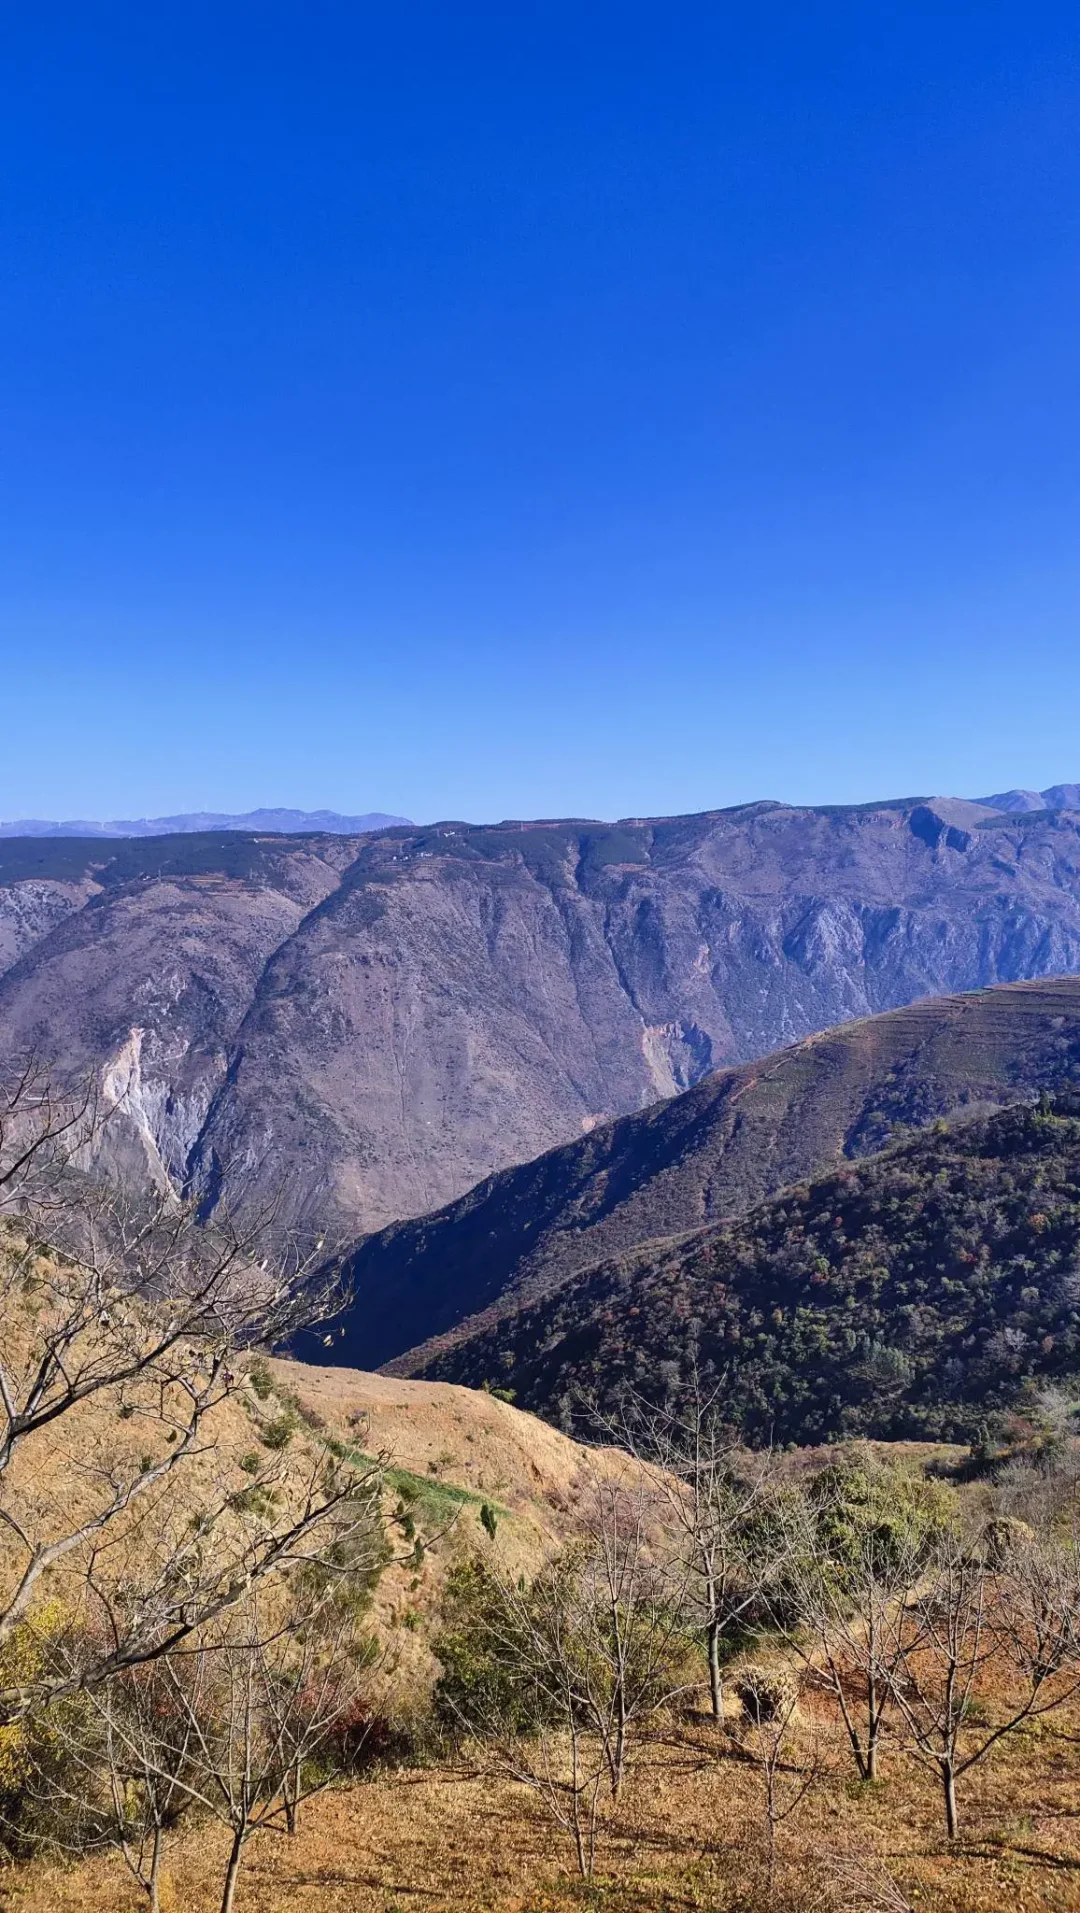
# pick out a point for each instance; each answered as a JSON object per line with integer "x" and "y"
{"x": 491, "y": 410}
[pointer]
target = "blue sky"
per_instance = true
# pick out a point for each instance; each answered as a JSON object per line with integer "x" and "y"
{"x": 493, "y": 411}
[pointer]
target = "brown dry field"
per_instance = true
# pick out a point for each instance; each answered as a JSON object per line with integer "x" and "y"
{"x": 453, "y": 1838}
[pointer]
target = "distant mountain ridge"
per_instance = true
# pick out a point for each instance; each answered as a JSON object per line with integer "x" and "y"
{"x": 288, "y": 822}
{"x": 1057, "y": 797}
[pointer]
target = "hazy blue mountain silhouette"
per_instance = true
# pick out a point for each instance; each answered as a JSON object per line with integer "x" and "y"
{"x": 277, "y": 820}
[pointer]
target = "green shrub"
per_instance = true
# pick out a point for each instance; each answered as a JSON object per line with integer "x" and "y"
{"x": 260, "y": 1377}
{"x": 41, "y": 1780}
{"x": 867, "y": 1508}
{"x": 258, "y": 1500}
{"x": 278, "y": 1432}
{"x": 348, "y": 1569}
{"x": 482, "y": 1651}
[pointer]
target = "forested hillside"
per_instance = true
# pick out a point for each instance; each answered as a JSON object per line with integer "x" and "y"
{"x": 735, "y": 1138}
{"x": 910, "y": 1295}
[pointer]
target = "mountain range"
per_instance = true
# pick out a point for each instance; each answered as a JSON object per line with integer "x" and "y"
{"x": 273, "y": 820}
{"x": 361, "y": 1029}
{"x": 1057, "y": 797}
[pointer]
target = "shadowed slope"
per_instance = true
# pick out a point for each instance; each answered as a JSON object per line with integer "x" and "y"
{"x": 712, "y": 1152}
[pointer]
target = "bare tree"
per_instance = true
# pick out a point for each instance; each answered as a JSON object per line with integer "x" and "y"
{"x": 785, "y": 1751}
{"x": 563, "y": 1674}
{"x": 848, "y": 1566}
{"x": 979, "y": 1609}
{"x": 275, "y": 1682}
{"x": 116, "y": 1356}
{"x": 716, "y": 1493}
{"x": 230, "y": 1713}
{"x": 44, "y": 1129}
{"x": 123, "y": 1777}
{"x": 528, "y": 1710}
{"x": 148, "y": 1745}
{"x": 314, "y": 1680}
{"x": 1039, "y": 1486}
{"x": 630, "y": 1611}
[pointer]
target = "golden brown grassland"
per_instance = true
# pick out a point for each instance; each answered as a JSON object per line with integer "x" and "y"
{"x": 688, "y": 1830}
{"x": 684, "y": 1836}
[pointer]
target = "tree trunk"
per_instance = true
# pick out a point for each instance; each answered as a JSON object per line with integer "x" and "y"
{"x": 716, "y": 1686}
{"x": 290, "y": 1793}
{"x": 948, "y": 1787}
{"x": 153, "y": 1886}
{"x": 859, "y": 1754}
{"x": 771, "y": 1850}
{"x": 620, "y": 1748}
{"x": 233, "y": 1870}
{"x": 579, "y": 1843}
{"x": 872, "y": 1722}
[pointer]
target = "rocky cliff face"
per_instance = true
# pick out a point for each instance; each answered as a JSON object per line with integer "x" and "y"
{"x": 365, "y": 1027}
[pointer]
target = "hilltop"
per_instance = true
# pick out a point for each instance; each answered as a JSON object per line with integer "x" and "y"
{"x": 1057, "y": 797}
{"x": 447, "y": 1451}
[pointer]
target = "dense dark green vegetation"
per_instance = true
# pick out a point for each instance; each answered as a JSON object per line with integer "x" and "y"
{"x": 727, "y": 1144}
{"x": 909, "y": 1296}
